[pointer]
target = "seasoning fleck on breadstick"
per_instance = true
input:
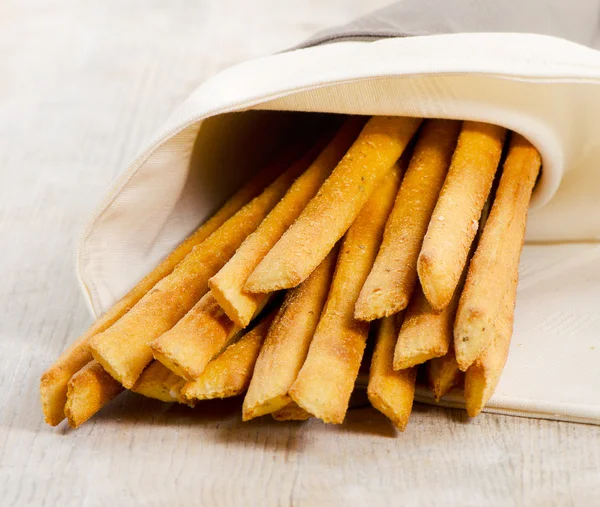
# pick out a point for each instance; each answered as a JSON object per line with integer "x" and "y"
{"x": 443, "y": 374}
{"x": 229, "y": 374}
{"x": 425, "y": 332}
{"x": 326, "y": 380}
{"x": 496, "y": 260}
{"x": 291, "y": 412}
{"x": 53, "y": 384}
{"x": 454, "y": 221}
{"x": 483, "y": 375}
{"x": 391, "y": 281}
{"x": 228, "y": 284}
{"x": 286, "y": 345}
{"x": 331, "y": 212}
{"x": 391, "y": 392}
{"x": 124, "y": 349}
{"x": 160, "y": 383}
{"x": 88, "y": 391}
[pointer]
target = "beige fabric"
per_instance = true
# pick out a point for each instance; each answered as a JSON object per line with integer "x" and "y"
{"x": 545, "y": 88}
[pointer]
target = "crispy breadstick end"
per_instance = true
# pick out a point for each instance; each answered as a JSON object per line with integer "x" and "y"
{"x": 192, "y": 343}
{"x": 228, "y": 284}
{"x": 339, "y": 201}
{"x": 483, "y": 375}
{"x": 391, "y": 392}
{"x": 327, "y": 378}
{"x": 229, "y": 374}
{"x": 286, "y": 345}
{"x": 391, "y": 281}
{"x": 53, "y": 384}
{"x": 54, "y": 381}
{"x": 291, "y": 412}
{"x": 160, "y": 383}
{"x": 88, "y": 391}
{"x": 455, "y": 219}
{"x": 443, "y": 374}
{"x": 496, "y": 260}
{"x": 124, "y": 349}
{"x": 425, "y": 332}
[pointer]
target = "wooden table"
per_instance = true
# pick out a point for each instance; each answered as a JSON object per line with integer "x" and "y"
{"x": 83, "y": 85}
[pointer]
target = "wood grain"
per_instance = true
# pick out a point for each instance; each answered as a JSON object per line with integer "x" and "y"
{"x": 83, "y": 85}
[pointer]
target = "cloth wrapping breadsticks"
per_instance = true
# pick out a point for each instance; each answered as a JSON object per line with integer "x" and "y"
{"x": 531, "y": 68}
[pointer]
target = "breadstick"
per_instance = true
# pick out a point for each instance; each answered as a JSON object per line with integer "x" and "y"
{"x": 87, "y": 392}
{"x": 199, "y": 336}
{"x": 331, "y": 212}
{"x": 228, "y": 284}
{"x": 326, "y": 380}
{"x": 425, "y": 332}
{"x": 391, "y": 392}
{"x": 229, "y": 374}
{"x": 391, "y": 281}
{"x": 53, "y": 384}
{"x": 443, "y": 373}
{"x": 160, "y": 383}
{"x": 291, "y": 412}
{"x": 483, "y": 375}
{"x": 286, "y": 345}
{"x": 496, "y": 260}
{"x": 124, "y": 349}
{"x": 454, "y": 221}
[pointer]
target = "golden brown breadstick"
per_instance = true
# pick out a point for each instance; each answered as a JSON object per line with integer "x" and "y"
{"x": 229, "y": 374}
{"x": 455, "y": 219}
{"x": 228, "y": 284}
{"x": 496, "y": 260}
{"x": 160, "y": 383}
{"x": 199, "y": 336}
{"x": 53, "y": 384}
{"x": 286, "y": 345}
{"x": 88, "y": 391}
{"x": 391, "y": 392}
{"x": 483, "y": 375}
{"x": 326, "y": 380}
{"x": 391, "y": 281}
{"x": 331, "y": 212}
{"x": 443, "y": 374}
{"x": 124, "y": 349}
{"x": 425, "y": 332}
{"x": 291, "y": 412}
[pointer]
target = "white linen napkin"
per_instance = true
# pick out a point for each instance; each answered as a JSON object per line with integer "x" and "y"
{"x": 546, "y": 88}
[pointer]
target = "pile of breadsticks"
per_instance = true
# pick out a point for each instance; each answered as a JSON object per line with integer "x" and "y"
{"x": 391, "y": 226}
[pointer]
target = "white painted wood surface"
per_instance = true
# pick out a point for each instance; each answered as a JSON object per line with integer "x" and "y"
{"x": 82, "y": 86}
